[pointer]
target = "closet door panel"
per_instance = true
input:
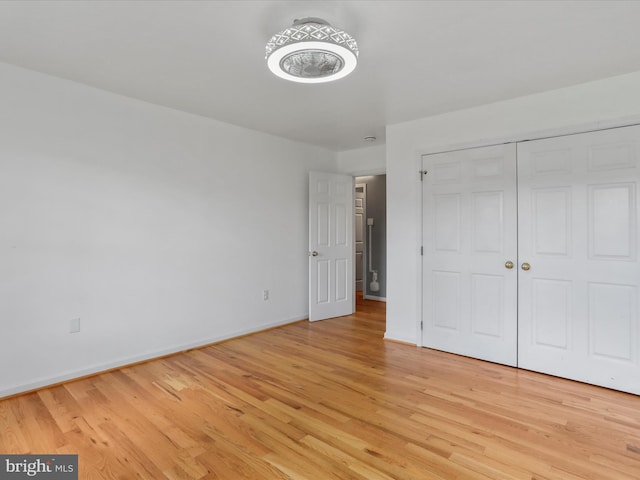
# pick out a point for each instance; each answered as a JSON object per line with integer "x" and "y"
{"x": 470, "y": 297}
{"x": 578, "y": 231}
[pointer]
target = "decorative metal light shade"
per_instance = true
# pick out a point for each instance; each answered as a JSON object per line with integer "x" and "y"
{"x": 312, "y": 51}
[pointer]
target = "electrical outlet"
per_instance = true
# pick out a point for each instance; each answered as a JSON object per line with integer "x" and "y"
{"x": 265, "y": 295}
{"x": 74, "y": 325}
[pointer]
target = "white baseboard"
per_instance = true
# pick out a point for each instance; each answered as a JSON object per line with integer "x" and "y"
{"x": 399, "y": 338}
{"x": 371, "y": 297}
{"x": 123, "y": 362}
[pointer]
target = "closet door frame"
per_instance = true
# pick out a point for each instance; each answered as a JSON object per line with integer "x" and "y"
{"x": 536, "y": 135}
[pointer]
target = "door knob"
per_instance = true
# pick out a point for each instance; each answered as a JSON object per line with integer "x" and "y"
{"x": 508, "y": 264}
{"x": 314, "y": 253}
{"x": 525, "y": 266}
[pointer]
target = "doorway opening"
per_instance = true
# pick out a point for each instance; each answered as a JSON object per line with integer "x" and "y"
{"x": 370, "y": 237}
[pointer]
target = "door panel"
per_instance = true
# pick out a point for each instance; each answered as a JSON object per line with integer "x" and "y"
{"x": 551, "y": 228}
{"x": 486, "y": 231}
{"x": 470, "y": 298}
{"x": 612, "y": 221}
{"x": 331, "y": 246}
{"x": 487, "y": 298}
{"x": 578, "y": 229}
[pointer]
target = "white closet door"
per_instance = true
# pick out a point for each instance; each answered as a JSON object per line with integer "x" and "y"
{"x": 578, "y": 231}
{"x": 470, "y": 297}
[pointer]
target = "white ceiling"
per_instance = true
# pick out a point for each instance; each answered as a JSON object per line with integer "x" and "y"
{"x": 417, "y": 58}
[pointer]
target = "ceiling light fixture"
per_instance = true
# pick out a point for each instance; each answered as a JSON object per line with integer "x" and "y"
{"x": 312, "y": 51}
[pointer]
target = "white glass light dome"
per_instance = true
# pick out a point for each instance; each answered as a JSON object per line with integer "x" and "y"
{"x": 312, "y": 51}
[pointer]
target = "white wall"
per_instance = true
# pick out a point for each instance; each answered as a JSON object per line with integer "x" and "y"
{"x": 158, "y": 229}
{"x": 363, "y": 161}
{"x": 603, "y": 103}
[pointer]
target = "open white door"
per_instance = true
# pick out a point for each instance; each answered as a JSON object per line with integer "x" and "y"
{"x": 331, "y": 246}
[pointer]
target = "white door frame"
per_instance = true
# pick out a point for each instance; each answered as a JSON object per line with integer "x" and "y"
{"x": 364, "y": 233}
{"x": 375, "y": 173}
{"x": 364, "y": 173}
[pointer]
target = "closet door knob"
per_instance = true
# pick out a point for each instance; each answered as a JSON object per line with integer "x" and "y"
{"x": 314, "y": 254}
{"x": 508, "y": 264}
{"x": 525, "y": 266}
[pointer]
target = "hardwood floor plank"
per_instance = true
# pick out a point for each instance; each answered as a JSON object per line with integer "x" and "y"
{"x": 290, "y": 454}
{"x": 328, "y": 400}
{"x": 12, "y": 439}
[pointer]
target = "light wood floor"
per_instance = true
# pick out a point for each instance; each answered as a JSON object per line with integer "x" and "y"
{"x": 328, "y": 400}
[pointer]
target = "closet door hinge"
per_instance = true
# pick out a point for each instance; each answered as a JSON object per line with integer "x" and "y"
{"x": 421, "y": 250}
{"x": 421, "y": 325}
{"x": 422, "y": 174}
